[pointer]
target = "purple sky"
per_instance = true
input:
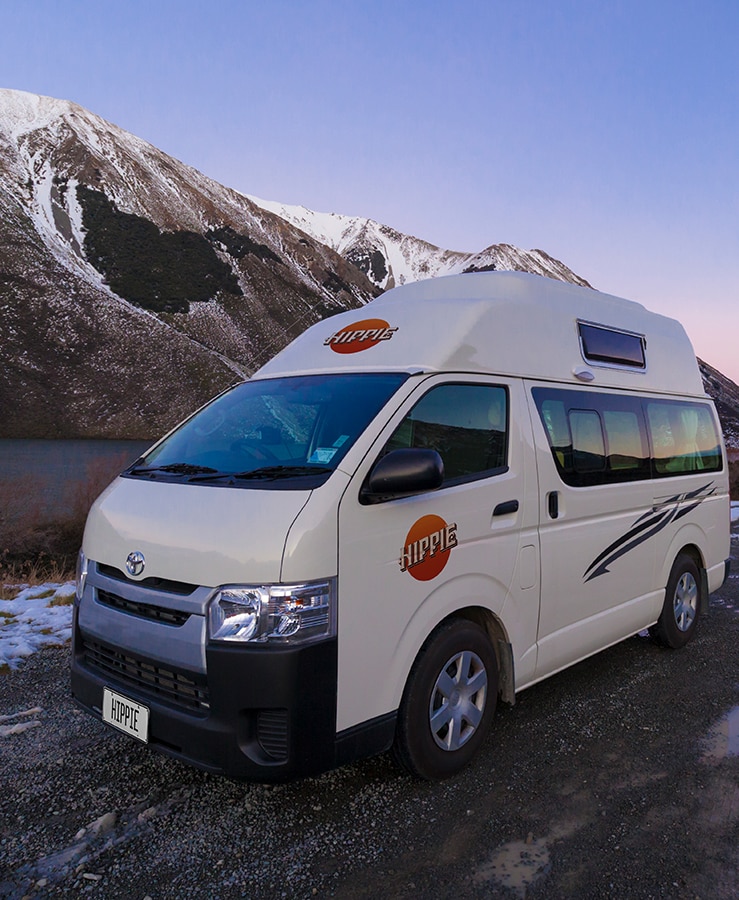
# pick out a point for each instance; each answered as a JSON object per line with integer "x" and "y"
{"x": 606, "y": 134}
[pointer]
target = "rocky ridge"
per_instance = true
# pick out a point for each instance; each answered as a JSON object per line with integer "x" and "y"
{"x": 390, "y": 258}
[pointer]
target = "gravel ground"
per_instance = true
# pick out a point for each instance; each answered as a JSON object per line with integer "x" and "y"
{"x": 618, "y": 778}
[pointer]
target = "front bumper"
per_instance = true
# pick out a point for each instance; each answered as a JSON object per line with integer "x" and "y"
{"x": 261, "y": 713}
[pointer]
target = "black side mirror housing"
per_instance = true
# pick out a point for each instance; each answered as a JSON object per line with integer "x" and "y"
{"x": 403, "y": 472}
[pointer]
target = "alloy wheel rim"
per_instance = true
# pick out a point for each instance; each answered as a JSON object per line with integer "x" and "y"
{"x": 685, "y": 601}
{"x": 458, "y": 700}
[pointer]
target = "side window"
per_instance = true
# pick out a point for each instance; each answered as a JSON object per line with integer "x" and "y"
{"x": 684, "y": 438}
{"x": 627, "y": 451}
{"x": 588, "y": 446}
{"x": 466, "y": 423}
{"x": 612, "y": 347}
{"x": 595, "y": 438}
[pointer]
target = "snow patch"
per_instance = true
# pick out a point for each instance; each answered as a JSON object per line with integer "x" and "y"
{"x": 38, "y": 616}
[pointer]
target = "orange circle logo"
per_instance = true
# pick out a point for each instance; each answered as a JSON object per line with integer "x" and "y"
{"x": 360, "y": 336}
{"x": 427, "y": 547}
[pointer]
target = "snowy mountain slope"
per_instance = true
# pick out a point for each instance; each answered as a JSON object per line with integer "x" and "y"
{"x": 725, "y": 394}
{"x": 390, "y": 258}
{"x": 118, "y": 260}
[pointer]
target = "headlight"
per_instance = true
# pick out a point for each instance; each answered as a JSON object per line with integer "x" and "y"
{"x": 81, "y": 576}
{"x": 286, "y": 614}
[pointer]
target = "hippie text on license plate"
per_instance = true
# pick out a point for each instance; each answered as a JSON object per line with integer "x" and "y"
{"x": 125, "y": 714}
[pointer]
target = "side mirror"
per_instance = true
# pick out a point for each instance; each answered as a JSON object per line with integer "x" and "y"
{"x": 403, "y": 472}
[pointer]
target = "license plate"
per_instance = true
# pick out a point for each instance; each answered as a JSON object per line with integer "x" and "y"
{"x": 126, "y": 715}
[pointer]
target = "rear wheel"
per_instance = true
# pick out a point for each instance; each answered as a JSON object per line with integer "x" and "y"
{"x": 679, "y": 618}
{"x": 448, "y": 702}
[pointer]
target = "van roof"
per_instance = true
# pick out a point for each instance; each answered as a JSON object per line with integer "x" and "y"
{"x": 505, "y": 323}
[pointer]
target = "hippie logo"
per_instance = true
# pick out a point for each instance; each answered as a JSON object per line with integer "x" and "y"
{"x": 427, "y": 547}
{"x": 360, "y": 336}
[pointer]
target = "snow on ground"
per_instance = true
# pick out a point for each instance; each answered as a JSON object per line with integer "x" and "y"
{"x": 735, "y": 510}
{"x": 36, "y": 617}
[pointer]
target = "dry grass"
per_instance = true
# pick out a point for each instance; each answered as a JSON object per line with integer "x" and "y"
{"x": 32, "y": 572}
{"x": 36, "y": 547}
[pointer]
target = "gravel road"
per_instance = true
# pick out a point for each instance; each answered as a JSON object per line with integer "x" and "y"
{"x": 618, "y": 778}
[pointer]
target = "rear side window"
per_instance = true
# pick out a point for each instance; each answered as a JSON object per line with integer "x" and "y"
{"x": 599, "y": 438}
{"x": 684, "y": 438}
{"x": 467, "y": 424}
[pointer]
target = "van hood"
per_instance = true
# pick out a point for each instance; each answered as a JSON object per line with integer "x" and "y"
{"x": 202, "y": 535}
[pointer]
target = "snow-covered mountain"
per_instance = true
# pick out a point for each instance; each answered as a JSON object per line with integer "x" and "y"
{"x": 133, "y": 287}
{"x": 390, "y": 258}
{"x": 725, "y": 394}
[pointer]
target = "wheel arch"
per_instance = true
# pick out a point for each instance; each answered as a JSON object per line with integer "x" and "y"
{"x": 690, "y": 540}
{"x": 495, "y": 630}
{"x": 694, "y": 552}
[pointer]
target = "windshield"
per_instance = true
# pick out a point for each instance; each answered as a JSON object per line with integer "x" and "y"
{"x": 271, "y": 433}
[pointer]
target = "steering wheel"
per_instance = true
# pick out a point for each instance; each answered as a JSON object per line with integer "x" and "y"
{"x": 255, "y": 449}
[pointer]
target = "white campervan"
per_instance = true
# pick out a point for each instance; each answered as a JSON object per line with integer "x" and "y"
{"x": 468, "y": 485}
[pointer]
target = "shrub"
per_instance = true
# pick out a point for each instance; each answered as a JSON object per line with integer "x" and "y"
{"x": 163, "y": 271}
{"x": 36, "y": 546}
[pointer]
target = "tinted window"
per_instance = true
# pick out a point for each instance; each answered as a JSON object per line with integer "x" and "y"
{"x": 626, "y": 449}
{"x": 601, "y": 438}
{"x": 465, "y": 423}
{"x": 588, "y": 444}
{"x": 684, "y": 438}
{"x": 595, "y": 438}
{"x": 606, "y": 345}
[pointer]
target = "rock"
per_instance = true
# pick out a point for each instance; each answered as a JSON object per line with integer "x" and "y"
{"x": 103, "y": 825}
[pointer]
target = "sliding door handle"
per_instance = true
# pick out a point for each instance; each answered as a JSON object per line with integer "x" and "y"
{"x": 553, "y": 505}
{"x": 504, "y": 509}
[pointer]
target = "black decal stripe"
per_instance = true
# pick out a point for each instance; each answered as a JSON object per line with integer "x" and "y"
{"x": 654, "y": 520}
{"x": 657, "y": 507}
{"x": 699, "y": 491}
{"x": 684, "y": 510}
{"x": 603, "y": 567}
{"x": 629, "y": 535}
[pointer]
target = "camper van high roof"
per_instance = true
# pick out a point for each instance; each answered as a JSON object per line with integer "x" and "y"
{"x": 509, "y": 323}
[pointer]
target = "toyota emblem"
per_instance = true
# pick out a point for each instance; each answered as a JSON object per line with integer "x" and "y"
{"x": 135, "y": 563}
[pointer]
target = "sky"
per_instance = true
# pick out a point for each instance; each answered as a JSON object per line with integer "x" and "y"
{"x": 605, "y": 132}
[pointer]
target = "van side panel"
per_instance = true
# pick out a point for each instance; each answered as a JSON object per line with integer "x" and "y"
{"x": 389, "y": 602}
{"x": 607, "y": 548}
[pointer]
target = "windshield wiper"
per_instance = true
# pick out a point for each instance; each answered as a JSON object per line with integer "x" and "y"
{"x": 181, "y": 468}
{"x": 266, "y": 472}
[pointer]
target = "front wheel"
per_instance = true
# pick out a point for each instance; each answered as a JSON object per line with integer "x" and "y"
{"x": 448, "y": 702}
{"x": 679, "y": 617}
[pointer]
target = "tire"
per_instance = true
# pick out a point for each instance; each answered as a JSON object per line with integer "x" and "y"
{"x": 679, "y": 617}
{"x": 448, "y": 702}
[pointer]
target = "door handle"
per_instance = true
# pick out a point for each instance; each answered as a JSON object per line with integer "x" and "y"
{"x": 504, "y": 509}
{"x": 553, "y": 505}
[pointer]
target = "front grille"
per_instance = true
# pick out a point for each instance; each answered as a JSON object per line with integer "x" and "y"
{"x": 143, "y": 610}
{"x": 272, "y": 732}
{"x": 186, "y": 691}
{"x": 155, "y": 584}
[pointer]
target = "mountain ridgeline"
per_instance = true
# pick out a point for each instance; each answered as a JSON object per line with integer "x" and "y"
{"x": 133, "y": 287}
